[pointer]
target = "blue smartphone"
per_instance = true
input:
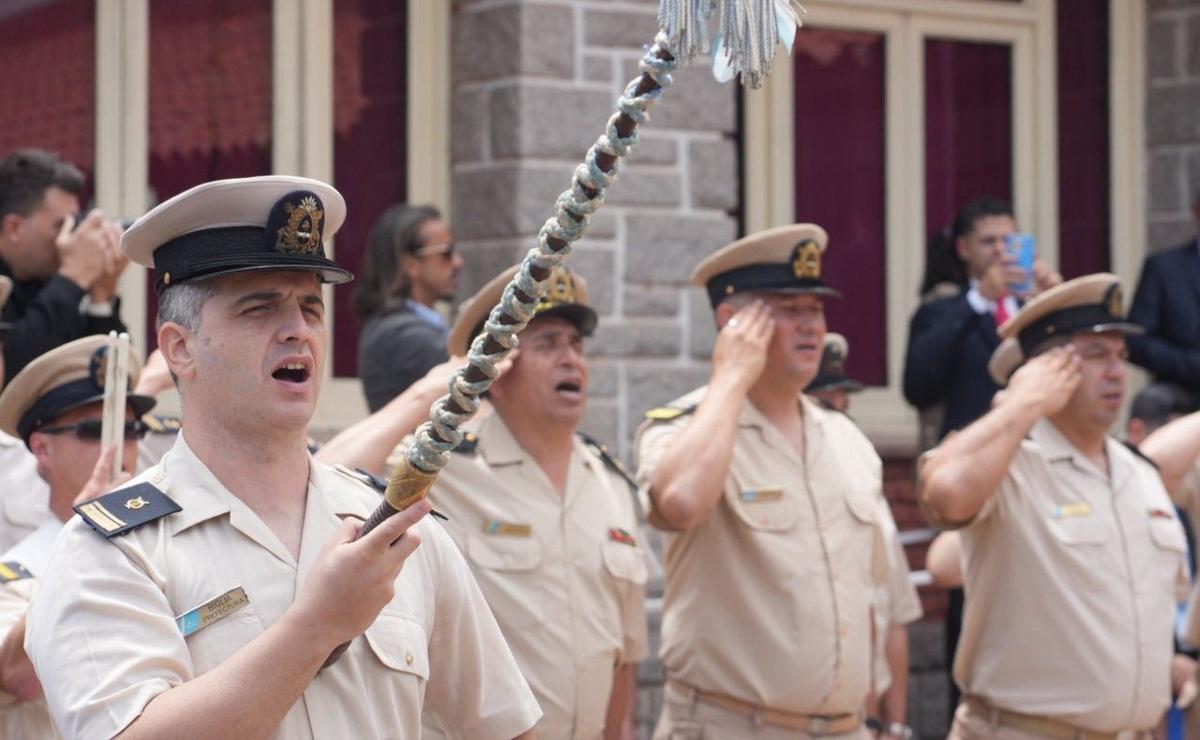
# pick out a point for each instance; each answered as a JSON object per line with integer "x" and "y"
{"x": 1024, "y": 248}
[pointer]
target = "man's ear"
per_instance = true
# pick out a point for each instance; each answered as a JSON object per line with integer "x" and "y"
{"x": 961, "y": 247}
{"x": 410, "y": 265}
{"x": 725, "y": 312}
{"x": 175, "y": 342}
{"x": 39, "y": 445}
{"x": 10, "y": 225}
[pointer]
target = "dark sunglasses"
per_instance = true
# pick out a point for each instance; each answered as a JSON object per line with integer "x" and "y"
{"x": 90, "y": 430}
{"x": 445, "y": 251}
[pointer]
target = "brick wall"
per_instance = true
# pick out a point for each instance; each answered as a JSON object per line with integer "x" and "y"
{"x": 1172, "y": 120}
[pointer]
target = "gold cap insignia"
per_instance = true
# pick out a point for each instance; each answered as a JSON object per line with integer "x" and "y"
{"x": 136, "y": 503}
{"x": 1114, "y": 301}
{"x": 834, "y": 360}
{"x": 302, "y": 232}
{"x": 806, "y": 260}
{"x": 98, "y": 368}
{"x": 561, "y": 289}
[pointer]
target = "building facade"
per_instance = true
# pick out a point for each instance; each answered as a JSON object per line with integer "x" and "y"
{"x": 888, "y": 117}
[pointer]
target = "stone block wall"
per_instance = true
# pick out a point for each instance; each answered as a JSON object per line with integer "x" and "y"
{"x": 1172, "y": 120}
{"x": 534, "y": 83}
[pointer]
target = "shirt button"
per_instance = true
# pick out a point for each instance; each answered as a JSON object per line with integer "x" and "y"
{"x": 408, "y": 659}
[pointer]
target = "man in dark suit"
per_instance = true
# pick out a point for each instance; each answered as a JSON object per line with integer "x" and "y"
{"x": 1167, "y": 304}
{"x": 950, "y": 340}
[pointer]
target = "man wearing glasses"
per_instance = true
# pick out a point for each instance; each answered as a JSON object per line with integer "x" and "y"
{"x": 54, "y": 405}
{"x": 411, "y": 265}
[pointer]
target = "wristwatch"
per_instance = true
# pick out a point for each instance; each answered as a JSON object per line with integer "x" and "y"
{"x": 900, "y": 730}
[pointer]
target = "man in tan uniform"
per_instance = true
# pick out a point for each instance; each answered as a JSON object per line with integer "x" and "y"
{"x": 1073, "y": 556}
{"x": 204, "y": 598}
{"x": 55, "y": 404}
{"x": 548, "y": 523}
{"x": 896, "y": 602}
{"x": 772, "y": 505}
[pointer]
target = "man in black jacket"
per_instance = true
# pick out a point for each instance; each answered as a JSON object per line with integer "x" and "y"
{"x": 1167, "y": 305}
{"x": 950, "y": 340}
{"x": 64, "y": 278}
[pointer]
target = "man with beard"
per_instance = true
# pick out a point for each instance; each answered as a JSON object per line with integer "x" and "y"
{"x": 547, "y": 520}
{"x": 772, "y": 506}
{"x": 1064, "y": 530}
{"x": 205, "y": 598}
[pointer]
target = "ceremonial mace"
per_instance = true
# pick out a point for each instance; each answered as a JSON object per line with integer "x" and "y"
{"x": 749, "y": 31}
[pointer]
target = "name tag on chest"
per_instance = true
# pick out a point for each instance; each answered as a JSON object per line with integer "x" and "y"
{"x": 197, "y": 619}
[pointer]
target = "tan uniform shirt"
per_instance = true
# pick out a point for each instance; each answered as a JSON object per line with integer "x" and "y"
{"x": 104, "y": 638}
{"x": 1071, "y": 581}
{"x": 20, "y": 719}
{"x": 896, "y": 602}
{"x": 24, "y": 496}
{"x": 769, "y": 601}
{"x": 564, "y": 574}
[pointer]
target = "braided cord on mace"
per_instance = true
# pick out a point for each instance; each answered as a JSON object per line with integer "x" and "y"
{"x": 745, "y": 45}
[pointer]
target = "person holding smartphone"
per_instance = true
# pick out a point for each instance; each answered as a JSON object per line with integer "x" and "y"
{"x": 64, "y": 266}
{"x": 951, "y": 339}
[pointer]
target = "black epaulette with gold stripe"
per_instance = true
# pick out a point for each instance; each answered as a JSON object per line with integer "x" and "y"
{"x": 666, "y": 413}
{"x": 362, "y": 476}
{"x": 13, "y": 571}
{"x": 127, "y": 508}
{"x": 615, "y": 465}
{"x": 162, "y": 424}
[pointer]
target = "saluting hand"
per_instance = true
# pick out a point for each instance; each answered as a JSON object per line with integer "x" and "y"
{"x": 1046, "y": 382}
{"x": 741, "y": 349}
{"x": 352, "y": 580}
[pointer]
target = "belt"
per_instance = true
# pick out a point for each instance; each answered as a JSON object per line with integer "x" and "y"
{"x": 813, "y": 724}
{"x": 1044, "y": 726}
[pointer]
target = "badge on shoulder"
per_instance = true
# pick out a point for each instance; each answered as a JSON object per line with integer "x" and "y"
{"x": 125, "y": 509}
{"x": 13, "y": 571}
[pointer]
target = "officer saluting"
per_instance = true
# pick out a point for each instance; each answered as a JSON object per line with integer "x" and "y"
{"x": 1063, "y": 529}
{"x": 773, "y": 504}
{"x": 203, "y": 598}
{"x": 547, "y": 520}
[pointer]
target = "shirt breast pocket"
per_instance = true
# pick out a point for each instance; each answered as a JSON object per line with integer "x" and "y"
{"x": 214, "y": 643}
{"x": 766, "y": 508}
{"x": 400, "y": 645}
{"x": 508, "y": 570}
{"x": 624, "y": 562}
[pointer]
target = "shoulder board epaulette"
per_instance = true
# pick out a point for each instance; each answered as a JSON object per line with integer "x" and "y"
{"x": 125, "y": 509}
{"x": 162, "y": 424}
{"x": 13, "y": 571}
{"x": 1133, "y": 448}
{"x": 468, "y": 444}
{"x": 666, "y": 413}
{"x": 362, "y": 476}
{"x": 601, "y": 451}
{"x": 378, "y": 482}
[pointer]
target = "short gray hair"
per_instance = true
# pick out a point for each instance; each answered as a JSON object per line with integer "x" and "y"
{"x": 181, "y": 304}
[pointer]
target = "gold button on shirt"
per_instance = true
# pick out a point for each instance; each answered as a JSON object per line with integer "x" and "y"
{"x": 769, "y": 601}
{"x": 564, "y": 574}
{"x": 1071, "y": 581}
{"x": 104, "y": 639}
